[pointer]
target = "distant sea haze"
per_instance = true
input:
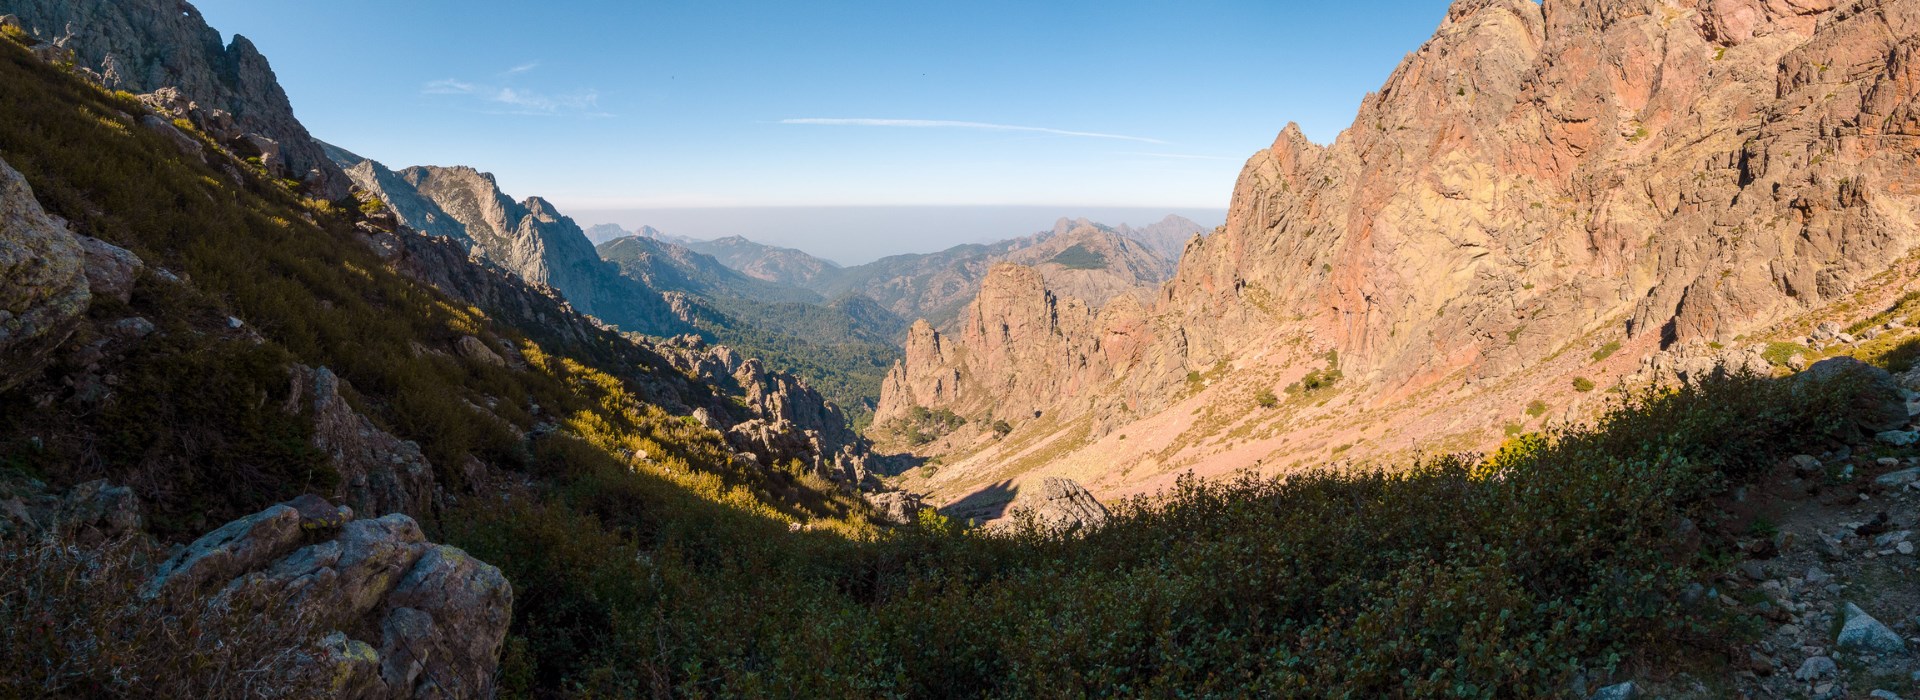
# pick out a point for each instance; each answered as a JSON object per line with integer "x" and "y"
{"x": 857, "y": 235}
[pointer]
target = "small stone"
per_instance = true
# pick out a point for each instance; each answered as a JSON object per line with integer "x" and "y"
{"x": 1887, "y": 462}
{"x": 1804, "y": 463}
{"x": 1883, "y": 695}
{"x": 1623, "y": 691}
{"x": 1904, "y": 548}
{"x": 1899, "y": 438}
{"x": 1899, "y": 478}
{"x": 1790, "y": 631}
{"x": 1892, "y": 538}
{"x": 1815, "y": 668}
{"x": 233, "y": 322}
{"x": 1754, "y": 570}
{"x": 131, "y": 328}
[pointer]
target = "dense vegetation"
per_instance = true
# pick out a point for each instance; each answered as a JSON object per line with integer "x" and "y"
{"x": 1080, "y": 257}
{"x": 1454, "y": 577}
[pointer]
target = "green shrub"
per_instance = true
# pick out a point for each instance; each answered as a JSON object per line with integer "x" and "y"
{"x": 1536, "y": 408}
{"x": 1779, "y": 353}
{"x": 1266, "y": 399}
{"x": 1582, "y": 384}
{"x": 1606, "y": 351}
{"x": 1080, "y": 257}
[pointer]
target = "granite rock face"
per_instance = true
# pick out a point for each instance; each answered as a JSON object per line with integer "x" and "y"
{"x": 1536, "y": 174}
{"x": 1019, "y": 351}
{"x": 142, "y": 46}
{"x": 379, "y": 473}
{"x": 785, "y": 418}
{"x": 44, "y": 287}
{"x": 442, "y": 616}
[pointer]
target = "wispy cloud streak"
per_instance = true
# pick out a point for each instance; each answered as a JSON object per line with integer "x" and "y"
{"x": 1175, "y": 156}
{"x": 520, "y": 101}
{"x": 949, "y": 124}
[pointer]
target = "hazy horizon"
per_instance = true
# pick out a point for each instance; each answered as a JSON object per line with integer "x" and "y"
{"x": 857, "y": 235}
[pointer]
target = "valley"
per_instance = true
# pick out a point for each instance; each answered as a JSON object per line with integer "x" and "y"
{"x": 1582, "y": 363}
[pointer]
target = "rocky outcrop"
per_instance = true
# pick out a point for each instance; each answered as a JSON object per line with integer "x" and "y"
{"x": 1058, "y": 505}
{"x": 529, "y": 238}
{"x": 379, "y": 473}
{"x": 409, "y": 207}
{"x": 1536, "y": 177}
{"x": 92, "y": 511}
{"x": 785, "y": 419}
{"x": 1687, "y": 171}
{"x": 1020, "y": 350}
{"x": 43, "y": 280}
{"x": 142, "y": 46}
{"x": 441, "y": 615}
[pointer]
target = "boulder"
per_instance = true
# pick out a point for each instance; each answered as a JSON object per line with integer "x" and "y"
{"x": 476, "y": 349}
{"x": 897, "y": 507}
{"x": 1622, "y": 691}
{"x": 1878, "y": 405}
{"x": 1815, "y": 668}
{"x": 234, "y": 549}
{"x": 446, "y": 623}
{"x": 43, "y": 283}
{"x": 1059, "y": 505}
{"x": 111, "y": 269}
{"x": 1864, "y": 634}
{"x": 442, "y": 615}
{"x": 1899, "y": 438}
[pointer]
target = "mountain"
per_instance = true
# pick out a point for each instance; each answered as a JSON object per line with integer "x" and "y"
{"x": 230, "y": 88}
{"x": 1167, "y": 237}
{"x": 1539, "y": 199}
{"x": 601, "y": 233}
{"x": 779, "y": 265}
{"x": 644, "y": 285}
{"x": 1090, "y": 259}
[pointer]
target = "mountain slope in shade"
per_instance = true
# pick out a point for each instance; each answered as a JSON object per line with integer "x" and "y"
{"x": 1534, "y": 188}
{"x": 773, "y": 264}
{"x": 1167, "y": 237}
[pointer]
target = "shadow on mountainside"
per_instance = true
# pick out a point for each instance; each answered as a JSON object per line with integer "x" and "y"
{"x": 988, "y": 503}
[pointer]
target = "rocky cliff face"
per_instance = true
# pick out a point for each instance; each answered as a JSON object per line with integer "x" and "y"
{"x": 1538, "y": 183}
{"x": 142, "y": 46}
{"x": 1539, "y": 172}
{"x": 1019, "y": 351}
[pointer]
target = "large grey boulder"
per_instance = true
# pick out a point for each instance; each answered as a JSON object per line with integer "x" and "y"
{"x": 1059, "y": 505}
{"x": 1878, "y": 406}
{"x": 1863, "y": 633}
{"x": 43, "y": 280}
{"x": 442, "y": 615}
{"x": 111, "y": 269}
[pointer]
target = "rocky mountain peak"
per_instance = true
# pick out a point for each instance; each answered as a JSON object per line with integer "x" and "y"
{"x": 142, "y": 46}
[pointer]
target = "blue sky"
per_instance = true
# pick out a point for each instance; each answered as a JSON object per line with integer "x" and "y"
{"x": 651, "y": 105}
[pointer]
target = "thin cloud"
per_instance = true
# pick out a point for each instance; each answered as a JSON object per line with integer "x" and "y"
{"x": 450, "y": 86}
{"x": 522, "y": 68}
{"x": 1175, "y": 156}
{"x": 521, "y": 101}
{"x": 949, "y": 124}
